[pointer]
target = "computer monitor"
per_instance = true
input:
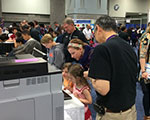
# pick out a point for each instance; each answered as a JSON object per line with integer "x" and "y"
{"x": 6, "y": 47}
{"x": 38, "y": 53}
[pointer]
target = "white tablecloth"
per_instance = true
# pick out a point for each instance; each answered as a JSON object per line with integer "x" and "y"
{"x": 66, "y": 116}
{"x": 73, "y": 108}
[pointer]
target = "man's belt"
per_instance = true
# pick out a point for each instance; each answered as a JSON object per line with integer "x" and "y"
{"x": 117, "y": 111}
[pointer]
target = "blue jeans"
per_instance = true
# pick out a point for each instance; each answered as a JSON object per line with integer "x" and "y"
{"x": 94, "y": 96}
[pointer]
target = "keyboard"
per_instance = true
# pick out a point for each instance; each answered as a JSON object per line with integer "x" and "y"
{"x": 5, "y": 59}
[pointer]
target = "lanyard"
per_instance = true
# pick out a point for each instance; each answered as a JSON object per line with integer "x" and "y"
{"x": 111, "y": 37}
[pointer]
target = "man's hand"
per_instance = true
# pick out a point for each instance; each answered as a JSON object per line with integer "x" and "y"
{"x": 86, "y": 74}
{"x": 145, "y": 75}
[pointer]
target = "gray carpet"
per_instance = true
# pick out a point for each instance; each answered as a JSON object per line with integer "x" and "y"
{"x": 139, "y": 105}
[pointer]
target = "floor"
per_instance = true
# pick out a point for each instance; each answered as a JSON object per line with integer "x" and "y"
{"x": 139, "y": 106}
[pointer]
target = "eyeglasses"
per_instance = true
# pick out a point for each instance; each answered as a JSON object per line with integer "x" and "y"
{"x": 95, "y": 29}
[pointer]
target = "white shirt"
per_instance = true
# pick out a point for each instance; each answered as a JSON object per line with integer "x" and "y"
{"x": 87, "y": 33}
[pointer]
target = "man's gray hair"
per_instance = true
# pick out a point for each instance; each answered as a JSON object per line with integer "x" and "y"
{"x": 68, "y": 20}
{"x": 106, "y": 23}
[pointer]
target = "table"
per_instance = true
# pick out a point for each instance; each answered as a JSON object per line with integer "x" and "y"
{"x": 73, "y": 109}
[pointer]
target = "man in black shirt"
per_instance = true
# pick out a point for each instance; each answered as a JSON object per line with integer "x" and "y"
{"x": 71, "y": 32}
{"x": 124, "y": 35}
{"x": 113, "y": 71}
{"x": 34, "y": 32}
{"x": 57, "y": 27}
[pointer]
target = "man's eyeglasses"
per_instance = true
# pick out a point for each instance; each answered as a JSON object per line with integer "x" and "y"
{"x": 95, "y": 29}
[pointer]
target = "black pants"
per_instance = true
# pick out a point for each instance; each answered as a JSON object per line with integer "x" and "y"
{"x": 146, "y": 97}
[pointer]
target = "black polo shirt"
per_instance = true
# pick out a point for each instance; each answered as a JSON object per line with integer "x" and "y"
{"x": 124, "y": 35}
{"x": 116, "y": 62}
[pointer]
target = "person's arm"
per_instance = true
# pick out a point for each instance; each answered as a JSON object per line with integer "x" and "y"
{"x": 19, "y": 50}
{"x": 100, "y": 71}
{"x": 101, "y": 86}
{"x": 86, "y": 74}
{"x": 143, "y": 63}
{"x": 69, "y": 86}
{"x": 143, "y": 53}
{"x": 88, "y": 99}
{"x": 59, "y": 58}
{"x": 27, "y": 48}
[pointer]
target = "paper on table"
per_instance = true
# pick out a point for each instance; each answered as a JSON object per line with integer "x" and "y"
{"x": 66, "y": 116}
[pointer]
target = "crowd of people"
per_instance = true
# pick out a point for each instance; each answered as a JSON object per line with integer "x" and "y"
{"x": 100, "y": 68}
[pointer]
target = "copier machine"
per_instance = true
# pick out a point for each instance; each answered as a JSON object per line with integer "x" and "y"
{"x": 30, "y": 90}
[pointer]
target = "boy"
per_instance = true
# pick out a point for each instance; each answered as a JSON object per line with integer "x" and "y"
{"x": 54, "y": 51}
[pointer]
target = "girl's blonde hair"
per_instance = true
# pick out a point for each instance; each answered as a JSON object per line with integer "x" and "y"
{"x": 76, "y": 70}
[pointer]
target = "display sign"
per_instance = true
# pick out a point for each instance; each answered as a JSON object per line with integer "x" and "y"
{"x": 81, "y": 23}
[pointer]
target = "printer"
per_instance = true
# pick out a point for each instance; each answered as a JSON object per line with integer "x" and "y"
{"x": 30, "y": 90}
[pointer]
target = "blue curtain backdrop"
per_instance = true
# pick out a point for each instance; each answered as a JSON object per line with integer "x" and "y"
{"x": 134, "y": 25}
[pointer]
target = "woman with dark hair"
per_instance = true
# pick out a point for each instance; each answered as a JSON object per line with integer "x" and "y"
{"x": 81, "y": 88}
{"x": 4, "y": 37}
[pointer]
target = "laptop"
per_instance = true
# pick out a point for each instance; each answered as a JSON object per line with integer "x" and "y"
{"x": 66, "y": 96}
{"x": 6, "y": 47}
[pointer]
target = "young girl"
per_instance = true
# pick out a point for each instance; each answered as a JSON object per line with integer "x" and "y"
{"x": 81, "y": 88}
{"x": 67, "y": 83}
